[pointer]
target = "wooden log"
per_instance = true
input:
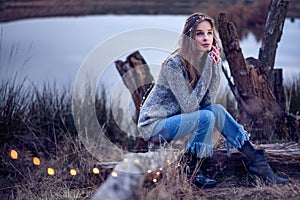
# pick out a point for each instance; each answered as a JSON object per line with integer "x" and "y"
{"x": 257, "y": 85}
{"x": 272, "y": 34}
{"x": 137, "y": 78}
{"x": 258, "y": 108}
{"x": 267, "y": 52}
{"x": 278, "y": 89}
{"x": 127, "y": 178}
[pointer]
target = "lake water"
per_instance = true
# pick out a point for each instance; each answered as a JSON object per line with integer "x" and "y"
{"x": 53, "y": 49}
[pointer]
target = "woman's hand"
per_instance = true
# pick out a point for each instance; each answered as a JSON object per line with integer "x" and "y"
{"x": 215, "y": 54}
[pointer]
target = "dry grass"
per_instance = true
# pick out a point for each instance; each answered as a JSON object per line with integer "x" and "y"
{"x": 172, "y": 186}
{"x": 39, "y": 124}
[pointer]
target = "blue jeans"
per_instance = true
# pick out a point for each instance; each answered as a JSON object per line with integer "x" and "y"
{"x": 199, "y": 125}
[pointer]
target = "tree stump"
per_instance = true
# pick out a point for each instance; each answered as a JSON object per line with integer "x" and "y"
{"x": 137, "y": 78}
{"x": 255, "y": 80}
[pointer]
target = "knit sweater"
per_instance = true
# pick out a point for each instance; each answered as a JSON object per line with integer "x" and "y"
{"x": 172, "y": 94}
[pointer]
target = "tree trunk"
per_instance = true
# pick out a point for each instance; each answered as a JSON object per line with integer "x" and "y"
{"x": 267, "y": 52}
{"x": 137, "y": 78}
{"x": 254, "y": 83}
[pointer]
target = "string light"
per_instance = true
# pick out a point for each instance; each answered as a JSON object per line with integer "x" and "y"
{"x": 36, "y": 161}
{"x": 96, "y": 170}
{"x": 114, "y": 174}
{"x": 73, "y": 172}
{"x": 14, "y": 154}
{"x": 51, "y": 171}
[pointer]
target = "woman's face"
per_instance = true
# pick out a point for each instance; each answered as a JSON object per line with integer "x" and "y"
{"x": 204, "y": 37}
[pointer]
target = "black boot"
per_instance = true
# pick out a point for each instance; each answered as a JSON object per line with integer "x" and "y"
{"x": 259, "y": 165}
{"x": 194, "y": 173}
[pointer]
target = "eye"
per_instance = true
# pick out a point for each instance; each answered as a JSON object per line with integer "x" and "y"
{"x": 199, "y": 33}
{"x": 209, "y": 32}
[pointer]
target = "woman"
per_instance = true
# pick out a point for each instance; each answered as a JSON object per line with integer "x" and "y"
{"x": 182, "y": 103}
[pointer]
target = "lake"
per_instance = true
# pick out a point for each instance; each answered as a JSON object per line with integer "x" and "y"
{"x": 53, "y": 49}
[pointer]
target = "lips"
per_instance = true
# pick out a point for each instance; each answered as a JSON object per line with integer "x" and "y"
{"x": 205, "y": 45}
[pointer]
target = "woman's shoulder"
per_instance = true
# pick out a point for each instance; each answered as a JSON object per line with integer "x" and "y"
{"x": 173, "y": 61}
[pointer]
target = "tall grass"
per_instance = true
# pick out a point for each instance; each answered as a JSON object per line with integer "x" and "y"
{"x": 39, "y": 123}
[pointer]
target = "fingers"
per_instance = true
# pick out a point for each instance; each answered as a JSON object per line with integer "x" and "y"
{"x": 215, "y": 54}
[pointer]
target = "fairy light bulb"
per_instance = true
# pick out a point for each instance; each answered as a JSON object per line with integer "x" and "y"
{"x": 51, "y": 171}
{"x": 14, "y": 154}
{"x": 36, "y": 161}
{"x": 96, "y": 170}
{"x": 73, "y": 172}
{"x": 114, "y": 174}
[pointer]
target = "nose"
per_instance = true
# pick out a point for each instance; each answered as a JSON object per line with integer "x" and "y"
{"x": 205, "y": 37}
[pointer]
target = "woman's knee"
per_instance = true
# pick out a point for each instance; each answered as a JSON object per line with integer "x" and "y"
{"x": 218, "y": 109}
{"x": 206, "y": 118}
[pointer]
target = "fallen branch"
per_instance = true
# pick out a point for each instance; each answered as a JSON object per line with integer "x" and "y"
{"x": 127, "y": 178}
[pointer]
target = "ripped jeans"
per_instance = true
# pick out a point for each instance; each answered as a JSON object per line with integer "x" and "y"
{"x": 200, "y": 125}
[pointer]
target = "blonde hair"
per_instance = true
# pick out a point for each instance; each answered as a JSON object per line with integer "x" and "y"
{"x": 188, "y": 50}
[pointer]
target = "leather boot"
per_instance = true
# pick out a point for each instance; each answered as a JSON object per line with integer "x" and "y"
{"x": 259, "y": 165}
{"x": 197, "y": 176}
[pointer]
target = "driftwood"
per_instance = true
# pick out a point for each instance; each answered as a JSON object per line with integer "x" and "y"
{"x": 127, "y": 178}
{"x": 255, "y": 80}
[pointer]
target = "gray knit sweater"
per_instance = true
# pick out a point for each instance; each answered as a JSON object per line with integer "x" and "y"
{"x": 172, "y": 94}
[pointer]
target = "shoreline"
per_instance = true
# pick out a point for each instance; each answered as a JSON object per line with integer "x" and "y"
{"x": 18, "y": 9}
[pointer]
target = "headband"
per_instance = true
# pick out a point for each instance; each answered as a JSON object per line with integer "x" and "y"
{"x": 194, "y": 20}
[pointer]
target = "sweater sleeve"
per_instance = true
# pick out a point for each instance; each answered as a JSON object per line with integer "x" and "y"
{"x": 189, "y": 99}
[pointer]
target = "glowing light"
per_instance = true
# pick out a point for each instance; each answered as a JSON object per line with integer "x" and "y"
{"x": 114, "y": 174}
{"x": 160, "y": 168}
{"x": 36, "y": 161}
{"x": 73, "y": 172}
{"x": 157, "y": 173}
{"x": 51, "y": 171}
{"x": 136, "y": 161}
{"x": 96, "y": 170}
{"x": 149, "y": 171}
{"x": 125, "y": 160}
{"x": 14, "y": 154}
{"x": 154, "y": 180}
